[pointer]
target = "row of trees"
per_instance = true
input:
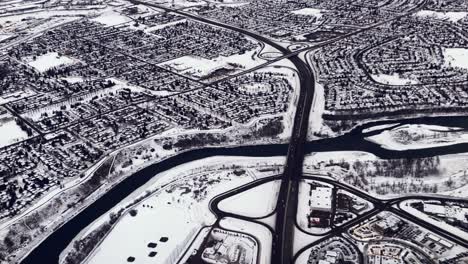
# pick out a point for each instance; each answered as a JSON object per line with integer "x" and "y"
{"x": 399, "y": 168}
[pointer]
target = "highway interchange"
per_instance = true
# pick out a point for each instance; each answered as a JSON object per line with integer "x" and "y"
{"x": 286, "y": 207}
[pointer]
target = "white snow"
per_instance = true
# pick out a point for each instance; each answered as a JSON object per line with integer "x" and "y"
{"x": 308, "y": 12}
{"x": 316, "y": 112}
{"x": 175, "y": 212}
{"x": 256, "y": 202}
{"x": 10, "y": 132}
{"x": 379, "y": 127}
{"x": 456, "y": 57}
{"x": 198, "y": 67}
{"x": 5, "y": 36}
{"x": 260, "y": 232}
{"x": 302, "y": 240}
{"x": 393, "y": 79}
{"x": 50, "y": 60}
{"x": 451, "y": 16}
{"x": 112, "y": 18}
{"x": 419, "y": 136}
{"x": 131, "y": 235}
{"x": 73, "y": 79}
{"x": 45, "y": 14}
{"x": 304, "y": 256}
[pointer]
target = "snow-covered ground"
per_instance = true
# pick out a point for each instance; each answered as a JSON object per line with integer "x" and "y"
{"x": 74, "y": 79}
{"x": 451, "y": 16}
{"x": 50, "y": 60}
{"x": 304, "y": 256}
{"x": 379, "y": 127}
{"x": 112, "y": 18}
{"x": 173, "y": 196}
{"x": 256, "y": 202}
{"x": 46, "y": 14}
{"x": 155, "y": 218}
{"x": 10, "y": 132}
{"x": 393, "y": 79}
{"x": 418, "y": 136}
{"x": 198, "y": 67}
{"x": 260, "y": 232}
{"x": 5, "y": 36}
{"x": 308, "y": 12}
{"x": 456, "y": 57}
{"x": 302, "y": 240}
{"x": 316, "y": 112}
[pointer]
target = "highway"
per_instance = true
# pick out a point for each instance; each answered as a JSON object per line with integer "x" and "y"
{"x": 287, "y": 200}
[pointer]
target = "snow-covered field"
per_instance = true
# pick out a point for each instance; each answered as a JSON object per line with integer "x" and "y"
{"x": 74, "y": 79}
{"x": 155, "y": 218}
{"x": 308, "y": 12}
{"x": 456, "y": 57}
{"x": 451, "y": 16}
{"x": 419, "y": 136}
{"x": 10, "y": 132}
{"x": 393, "y": 79}
{"x": 256, "y": 202}
{"x": 46, "y": 14}
{"x": 173, "y": 209}
{"x": 50, "y": 60}
{"x": 258, "y": 231}
{"x": 198, "y": 67}
{"x": 111, "y": 18}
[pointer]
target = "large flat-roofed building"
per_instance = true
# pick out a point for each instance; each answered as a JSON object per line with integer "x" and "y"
{"x": 321, "y": 198}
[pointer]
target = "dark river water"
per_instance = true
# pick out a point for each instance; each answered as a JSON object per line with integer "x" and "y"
{"x": 49, "y": 250}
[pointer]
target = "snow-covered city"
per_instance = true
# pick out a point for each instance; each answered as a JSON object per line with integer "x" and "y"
{"x": 234, "y": 131}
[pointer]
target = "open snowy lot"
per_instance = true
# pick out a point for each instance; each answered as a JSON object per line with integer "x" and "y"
{"x": 256, "y": 202}
{"x": 308, "y": 12}
{"x": 451, "y": 16}
{"x": 133, "y": 235}
{"x": 9, "y": 130}
{"x": 112, "y": 18}
{"x": 456, "y": 57}
{"x": 50, "y": 60}
{"x": 198, "y": 67}
{"x": 393, "y": 79}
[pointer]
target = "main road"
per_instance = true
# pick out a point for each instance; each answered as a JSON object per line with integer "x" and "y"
{"x": 287, "y": 199}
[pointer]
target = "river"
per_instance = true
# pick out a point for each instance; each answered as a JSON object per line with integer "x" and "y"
{"x": 49, "y": 250}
